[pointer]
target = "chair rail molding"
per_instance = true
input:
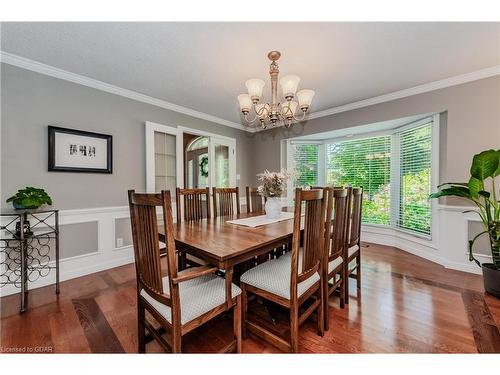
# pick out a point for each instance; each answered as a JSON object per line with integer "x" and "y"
{"x": 450, "y": 249}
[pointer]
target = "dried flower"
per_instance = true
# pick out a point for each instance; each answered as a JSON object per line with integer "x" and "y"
{"x": 273, "y": 183}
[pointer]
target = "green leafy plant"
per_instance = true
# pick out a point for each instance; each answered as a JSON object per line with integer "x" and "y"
{"x": 30, "y": 198}
{"x": 482, "y": 191}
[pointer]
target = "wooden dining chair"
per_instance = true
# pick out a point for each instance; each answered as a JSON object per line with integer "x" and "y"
{"x": 192, "y": 204}
{"x": 353, "y": 252}
{"x": 179, "y": 301}
{"x": 333, "y": 266}
{"x": 224, "y": 198}
{"x": 254, "y": 200}
{"x": 295, "y": 277}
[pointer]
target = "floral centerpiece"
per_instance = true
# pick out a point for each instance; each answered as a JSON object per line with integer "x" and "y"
{"x": 273, "y": 186}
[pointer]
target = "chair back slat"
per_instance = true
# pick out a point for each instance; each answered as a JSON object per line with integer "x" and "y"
{"x": 254, "y": 200}
{"x": 355, "y": 226}
{"x": 224, "y": 201}
{"x": 339, "y": 225}
{"x": 194, "y": 202}
{"x": 313, "y": 248}
{"x": 144, "y": 222}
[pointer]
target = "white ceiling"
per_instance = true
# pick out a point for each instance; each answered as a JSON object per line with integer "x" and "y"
{"x": 203, "y": 66}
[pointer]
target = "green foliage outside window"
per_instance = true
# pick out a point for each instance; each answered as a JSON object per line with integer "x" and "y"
{"x": 367, "y": 163}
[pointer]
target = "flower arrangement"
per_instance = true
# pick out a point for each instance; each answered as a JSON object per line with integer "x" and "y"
{"x": 273, "y": 183}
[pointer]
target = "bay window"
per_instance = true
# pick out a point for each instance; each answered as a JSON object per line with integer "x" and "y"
{"x": 394, "y": 167}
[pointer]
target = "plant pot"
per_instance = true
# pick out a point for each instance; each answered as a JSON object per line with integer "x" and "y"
{"x": 21, "y": 207}
{"x": 273, "y": 208}
{"x": 491, "y": 277}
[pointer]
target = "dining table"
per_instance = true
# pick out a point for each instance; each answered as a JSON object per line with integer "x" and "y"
{"x": 224, "y": 244}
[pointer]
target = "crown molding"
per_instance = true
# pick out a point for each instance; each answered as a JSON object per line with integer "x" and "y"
{"x": 420, "y": 89}
{"x": 35, "y": 66}
{"x": 41, "y": 68}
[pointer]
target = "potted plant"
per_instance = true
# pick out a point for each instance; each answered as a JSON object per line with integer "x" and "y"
{"x": 30, "y": 198}
{"x": 482, "y": 190}
{"x": 273, "y": 185}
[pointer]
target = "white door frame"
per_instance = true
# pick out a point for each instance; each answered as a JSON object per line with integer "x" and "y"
{"x": 151, "y": 128}
{"x": 219, "y": 139}
{"x": 231, "y": 145}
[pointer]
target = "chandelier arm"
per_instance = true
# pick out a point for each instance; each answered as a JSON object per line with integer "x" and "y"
{"x": 250, "y": 121}
{"x": 299, "y": 119}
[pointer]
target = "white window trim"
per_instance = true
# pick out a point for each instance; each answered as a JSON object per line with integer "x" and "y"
{"x": 431, "y": 240}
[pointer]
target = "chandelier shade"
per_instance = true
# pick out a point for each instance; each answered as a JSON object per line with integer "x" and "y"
{"x": 289, "y": 85}
{"x": 255, "y": 87}
{"x": 275, "y": 111}
{"x": 245, "y": 103}
{"x": 305, "y": 98}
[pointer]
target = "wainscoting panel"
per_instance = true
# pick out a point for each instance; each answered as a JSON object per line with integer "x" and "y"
{"x": 87, "y": 245}
{"x": 94, "y": 233}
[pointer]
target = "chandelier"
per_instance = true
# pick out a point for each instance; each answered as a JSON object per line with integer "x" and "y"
{"x": 275, "y": 112}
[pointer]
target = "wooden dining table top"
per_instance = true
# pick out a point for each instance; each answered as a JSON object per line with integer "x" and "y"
{"x": 226, "y": 244}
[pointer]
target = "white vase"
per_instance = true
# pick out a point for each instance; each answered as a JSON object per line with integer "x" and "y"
{"x": 273, "y": 208}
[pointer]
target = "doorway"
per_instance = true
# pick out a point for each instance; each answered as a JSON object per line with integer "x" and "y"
{"x": 196, "y": 161}
{"x": 208, "y": 161}
{"x": 187, "y": 158}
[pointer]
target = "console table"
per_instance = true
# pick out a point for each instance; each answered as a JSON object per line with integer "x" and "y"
{"x": 26, "y": 240}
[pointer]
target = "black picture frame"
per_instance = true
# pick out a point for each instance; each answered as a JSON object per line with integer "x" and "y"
{"x": 52, "y": 167}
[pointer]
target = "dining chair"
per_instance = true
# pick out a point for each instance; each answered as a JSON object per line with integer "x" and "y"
{"x": 195, "y": 204}
{"x": 192, "y": 205}
{"x": 254, "y": 200}
{"x": 224, "y": 201}
{"x": 333, "y": 266}
{"x": 255, "y": 204}
{"x": 179, "y": 301}
{"x": 295, "y": 277}
{"x": 355, "y": 203}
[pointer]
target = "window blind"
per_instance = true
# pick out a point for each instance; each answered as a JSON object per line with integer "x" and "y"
{"x": 367, "y": 163}
{"x": 415, "y": 155}
{"x": 305, "y": 164}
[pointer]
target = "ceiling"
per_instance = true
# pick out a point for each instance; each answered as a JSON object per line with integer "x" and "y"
{"x": 203, "y": 66}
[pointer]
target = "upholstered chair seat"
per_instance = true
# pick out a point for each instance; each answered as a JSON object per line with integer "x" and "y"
{"x": 197, "y": 296}
{"x": 274, "y": 276}
{"x": 334, "y": 264}
{"x": 352, "y": 250}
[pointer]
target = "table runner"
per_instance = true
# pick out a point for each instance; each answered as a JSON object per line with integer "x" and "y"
{"x": 257, "y": 221}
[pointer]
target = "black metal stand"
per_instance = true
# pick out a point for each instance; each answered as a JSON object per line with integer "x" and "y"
{"x": 25, "y": 245}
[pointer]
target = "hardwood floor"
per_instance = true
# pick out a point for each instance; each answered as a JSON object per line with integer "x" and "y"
{"x": 407, "y": 304}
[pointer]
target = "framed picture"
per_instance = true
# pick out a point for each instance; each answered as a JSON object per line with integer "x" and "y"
{"x": 73, "y": 150}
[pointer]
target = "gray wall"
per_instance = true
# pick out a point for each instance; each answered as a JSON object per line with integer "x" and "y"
{"x": 470, "y": 114}
{"x": 31, "y": 101}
